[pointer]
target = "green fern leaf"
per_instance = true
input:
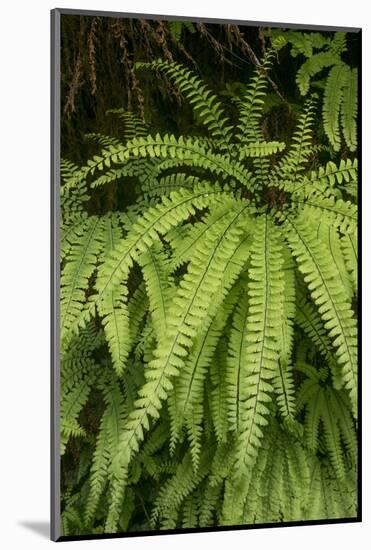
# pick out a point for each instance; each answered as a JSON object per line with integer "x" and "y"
{"x": 325, "y": 179}
{"x": 132, "y": 125}
{"x": 75, "y": 393}
{"x": 145, "y": 231}
{"x": 323, "y": 282}
{"x": 110, "y": 426}
{"x": 81, "y": 264}
{"x": 332, "y": 102}
{"x": 288, "y": 170}
{"x": 205, "y": 103}
{"x": 349, "y": 109}
{"x": 168, "y": 146}
{"x": 329, "y": 235}
{"x": 187, "y": 314}
{"x": 312, "y": 66}
{"x": 113, "y": 307}
{"x": 251, "y": 105}
{"x": 350, "y": 251}
{"x": 265, "y": 289}
{"x": 237, "y": 366}
{"x": 283, "y": 382}
{"x": 341, "y": 214}
{"x": 218, "y": 397}
{"x": 261, "y": 149}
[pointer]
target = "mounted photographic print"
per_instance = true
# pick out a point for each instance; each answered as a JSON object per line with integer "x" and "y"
{"x": 204, "y": 282}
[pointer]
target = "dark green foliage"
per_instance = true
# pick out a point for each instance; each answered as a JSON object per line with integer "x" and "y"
{"x": 208, "y": 329}
{"x": 340, "y": 88}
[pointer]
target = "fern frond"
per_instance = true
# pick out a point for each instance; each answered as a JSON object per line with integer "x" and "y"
{"x": 81, "y": 347}
{"x": 99, "y": 468}
{"x": 189, "y": 386}
{"x": 137, "y": 310}
{"x": 297, "y": 473}
{"x": 182, "y": 149}
{"x": 260, "y": 149}
{"x": 74, "y": 394}
{"x": 327, "y": 177}
{"x": 348, "y": 115}
{"x": 103, "y": 140}
{"x": 191, "y": 511}
{"x": 166, "y": 184}
{"x": 265, "y": 289}
{"x": 237, "y": 366}
{"x": 234, "y": 497}
{"x": 113, "y": 307}
{"x": 189, "y": 311}
{"x": 313, "y": 65}
{"x": 332, "y": 437}
{"x": 327, "y": 497}
{"x": 329, "y": 235}
{"x": 71, "y": 521}
{"x": 250, "y": 131}
{"x": 110, "y": 426}
{"x": 332, "y": 101}
{"x": 311, "y": 393}
{"x": 73, "y": 190}
{"x": 154, "y": 181}
{"x": 115, "y": 320}
{"x": 332, "y": 409}
{"x": 222, "y": 463}
{"x": 251, "y": 104}
{"x": 158, "y": 286}
{"x": 279, "y": 487}
{"x": 303, "y": 42}
{"x": 310, "y": 322}
{"x": 349, "y": 247}
{"x": 283, "y": 382}
{"x": 205, "y": 103}
{"x": 209, "y": 504}
{"x": 156, "y": 221}
{"x": 341, "y": 214}
{"x": 323, "y": 282}
{"x": 138, "y": 167}
{"x": 71, "y": 229}
{"x": 183, "y": 244}
{"x": 81, "y": 264}
{"x": 193, "y": 421}
{"x": 338, "y": 44}
{"x": 293, "y": 163}
{"x": 339, "y": 404}
{"x": 68, "y": 170}
{"x": 177, "y": 489}
{"x": 218, "y": 397}
{"x": 133, "y": 126}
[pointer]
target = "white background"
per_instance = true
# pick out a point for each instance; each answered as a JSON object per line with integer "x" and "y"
{"x": 24, "y": 270}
